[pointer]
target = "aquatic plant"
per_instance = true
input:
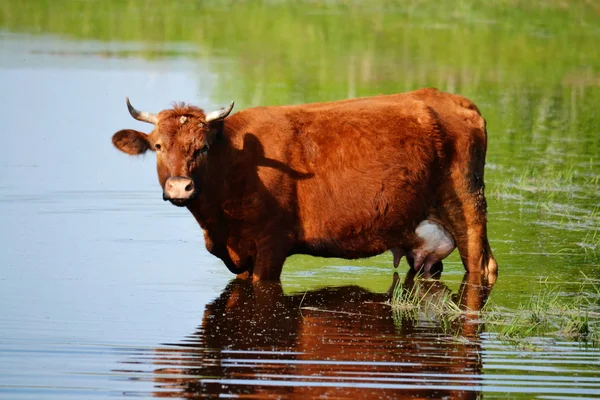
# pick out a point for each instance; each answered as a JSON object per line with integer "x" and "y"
{"x": 425, "y": 300}
{"x": 550, "y": 313}
{"x": 546, "y": 314}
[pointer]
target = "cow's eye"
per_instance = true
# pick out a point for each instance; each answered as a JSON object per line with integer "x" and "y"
{"x": 157, "y": 146}
{"x": 203, "y": 150}
{"x": 200, "y": 152}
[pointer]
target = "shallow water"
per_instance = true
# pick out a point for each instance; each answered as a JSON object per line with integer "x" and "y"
{"x": 107, "y": 291}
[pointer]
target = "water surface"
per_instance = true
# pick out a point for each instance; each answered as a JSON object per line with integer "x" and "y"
{"x": 107, "y": 291}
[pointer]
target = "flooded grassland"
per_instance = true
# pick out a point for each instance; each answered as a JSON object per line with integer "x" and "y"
{"x": 107, "y": 291}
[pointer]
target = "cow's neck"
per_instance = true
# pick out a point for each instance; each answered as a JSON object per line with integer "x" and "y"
{"x": 206, "y": 214}
{"x": 207, "y": 208}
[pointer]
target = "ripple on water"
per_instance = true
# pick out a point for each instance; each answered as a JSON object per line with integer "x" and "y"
{"x": 345, "y": 343}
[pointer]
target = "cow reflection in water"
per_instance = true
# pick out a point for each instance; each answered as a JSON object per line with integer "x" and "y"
{"x": 344, "y": 342}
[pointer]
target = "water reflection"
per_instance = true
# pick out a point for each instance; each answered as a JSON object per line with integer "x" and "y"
{"x": 256, "y": 341}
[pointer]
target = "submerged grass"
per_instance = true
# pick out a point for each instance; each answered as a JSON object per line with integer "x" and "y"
{"x": 591, "y": 245}
{"x": 550, "y": 313}
{"x": 426, "y": 302}
{"x": 547, "y": 314}
{"x": 408, "y": 301}
{"x": 558, "y": 199}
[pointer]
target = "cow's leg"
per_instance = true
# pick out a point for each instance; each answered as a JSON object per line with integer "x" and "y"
{"x": 464, "y": 209}
{"x": 267, "y": 268}
{"x": 245, "y": 275}
{"x": 268, "y": 262}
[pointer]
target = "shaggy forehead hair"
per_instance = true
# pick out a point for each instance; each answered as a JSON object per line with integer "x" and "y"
{"x": 183, "y": 109}
{"x": 185, "y": 122}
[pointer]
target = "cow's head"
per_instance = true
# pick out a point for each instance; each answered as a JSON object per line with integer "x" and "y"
{"x": 181, "y": 138}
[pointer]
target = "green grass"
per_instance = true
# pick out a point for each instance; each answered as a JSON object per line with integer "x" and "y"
{"x": 420, "y": 301}
{"x": 550, "y": 313}
{"x": 315, "y": 50}
{"x": 407, "y": 300}
{"x": 591, "y": 244}
{"x": 547, "y": 313}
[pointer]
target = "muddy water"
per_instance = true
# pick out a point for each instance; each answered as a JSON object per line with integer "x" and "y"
{"x": 107, "y": 291}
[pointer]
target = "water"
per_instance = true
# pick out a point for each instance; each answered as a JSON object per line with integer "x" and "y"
{"x": 108, "y": 291}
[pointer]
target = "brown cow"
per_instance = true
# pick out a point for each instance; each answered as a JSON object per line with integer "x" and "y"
{"x": 347, "y": 179}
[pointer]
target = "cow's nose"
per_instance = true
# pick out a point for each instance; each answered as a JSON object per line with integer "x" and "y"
{"x": 178, "y": 188}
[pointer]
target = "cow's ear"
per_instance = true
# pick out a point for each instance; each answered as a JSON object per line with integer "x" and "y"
{"x": 131, "y": 142}
{"x": 215, "y": 129}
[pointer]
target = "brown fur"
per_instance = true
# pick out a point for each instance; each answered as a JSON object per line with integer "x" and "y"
{"x": 347, "y": 179}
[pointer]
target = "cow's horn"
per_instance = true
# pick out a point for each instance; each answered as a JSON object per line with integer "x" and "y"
{"x": 142, "y": 115}
{"x": 217, "y": 115}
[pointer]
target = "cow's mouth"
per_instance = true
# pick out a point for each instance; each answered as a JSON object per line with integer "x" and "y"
{"x": 180, "y": 202}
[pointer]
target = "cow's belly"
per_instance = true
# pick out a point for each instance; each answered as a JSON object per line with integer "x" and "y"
{"x": 347, "y": 250}
{"x": 356, "y": 240}
{"x": 364, "y": 219}
{"x": 363, "y": 208}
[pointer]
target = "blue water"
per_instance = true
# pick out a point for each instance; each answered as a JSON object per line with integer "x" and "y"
{"x": 107, "y": 291}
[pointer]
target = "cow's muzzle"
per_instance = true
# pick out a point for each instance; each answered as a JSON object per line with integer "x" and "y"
{"x": 179, "y": 190}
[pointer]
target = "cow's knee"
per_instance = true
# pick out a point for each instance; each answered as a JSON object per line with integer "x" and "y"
{"x": 245, "y": 275}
